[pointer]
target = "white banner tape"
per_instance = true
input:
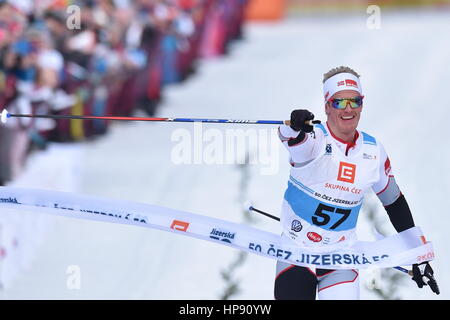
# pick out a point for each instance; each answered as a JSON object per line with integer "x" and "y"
{"x": 405, "y": 248}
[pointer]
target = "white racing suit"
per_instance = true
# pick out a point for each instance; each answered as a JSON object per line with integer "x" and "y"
{"x": 326, "y": 187}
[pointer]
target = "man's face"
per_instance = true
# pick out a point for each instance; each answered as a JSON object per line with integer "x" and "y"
{"x": 346, "y": 120}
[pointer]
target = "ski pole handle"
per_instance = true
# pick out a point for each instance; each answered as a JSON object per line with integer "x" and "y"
{"x": 308, "y": 122}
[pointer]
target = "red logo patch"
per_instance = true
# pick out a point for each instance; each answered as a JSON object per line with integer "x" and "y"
{"x": 347, "y": 172}
{"x": 387, "y": 166}
{"x": 179, "y": 225}
{"x": 314, "y": 237}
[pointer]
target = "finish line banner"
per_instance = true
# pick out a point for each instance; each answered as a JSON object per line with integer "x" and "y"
{"x": 405, "y": 248}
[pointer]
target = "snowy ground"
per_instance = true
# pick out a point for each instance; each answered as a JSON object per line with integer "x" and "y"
{"x": 405, "y": 75}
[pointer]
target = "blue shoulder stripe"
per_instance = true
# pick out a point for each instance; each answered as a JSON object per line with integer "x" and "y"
{"x": 321, "y": 127}
{"x": 368, "y": 139}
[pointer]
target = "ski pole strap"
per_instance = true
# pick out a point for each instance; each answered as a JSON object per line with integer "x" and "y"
{"x": 405, "y": 248}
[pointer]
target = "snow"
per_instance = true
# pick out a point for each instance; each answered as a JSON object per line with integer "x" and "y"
{"x": 278, "y": 67}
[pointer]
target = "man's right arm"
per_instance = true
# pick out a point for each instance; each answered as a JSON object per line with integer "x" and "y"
{"x": 298, "y": 138}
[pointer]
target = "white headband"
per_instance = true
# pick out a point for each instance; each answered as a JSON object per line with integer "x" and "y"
{"x": 340, "y": 82}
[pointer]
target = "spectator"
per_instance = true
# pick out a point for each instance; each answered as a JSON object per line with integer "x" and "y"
{"x": 117, "y": 61}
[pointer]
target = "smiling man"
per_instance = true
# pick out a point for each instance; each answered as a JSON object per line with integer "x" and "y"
{"x": 332, "y": 166}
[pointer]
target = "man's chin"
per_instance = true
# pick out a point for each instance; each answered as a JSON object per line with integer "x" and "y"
{"x": 348, "y": 126}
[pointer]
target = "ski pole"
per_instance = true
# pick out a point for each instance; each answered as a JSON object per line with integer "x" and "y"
{"x": 251, "y": 208}
{"x": 263, "y": 213}
{"x": 404, "y": 270}
{"x": 6, "y": 115}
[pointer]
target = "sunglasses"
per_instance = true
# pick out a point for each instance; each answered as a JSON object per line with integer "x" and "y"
{"x": 342, "y": 103}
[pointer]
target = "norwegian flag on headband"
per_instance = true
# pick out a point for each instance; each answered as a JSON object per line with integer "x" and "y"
{"x": 340, "y": 82}
{"x": 351, "y": 83}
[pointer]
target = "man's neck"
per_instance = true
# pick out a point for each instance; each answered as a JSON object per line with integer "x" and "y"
{"x": 343, "y": 137}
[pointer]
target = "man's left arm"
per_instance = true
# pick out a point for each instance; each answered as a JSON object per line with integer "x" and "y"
{"x": 400, "y": 216}
{"x": 391, "y": 197}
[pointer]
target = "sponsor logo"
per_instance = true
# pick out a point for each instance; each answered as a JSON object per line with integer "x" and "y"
{"x": 347, "y": 172}
{"x": 327, "y": 95}
{"x": 296, "y": 226}
{"x": 314, "y": 237}
{"x": 341, "y": 259}
{"x": 9, "y": 200}
{"x": 134, "y": 217}
{"x": 337, "y": 200}
{"x": 387, "y": 166}
{"x": 342, "y": 188}
{"x": 351, "y": 83}
{"x": 369, "y": 156}
{"x": 422, "y": 238}
{"x": 328, "y": 149}
{"x": 341, "y": 83}
{"x": 236, "y": 121}
{"x": 220, "y": 235}
{"x": 179, "y": 225}
{"x": 426, "y": 257}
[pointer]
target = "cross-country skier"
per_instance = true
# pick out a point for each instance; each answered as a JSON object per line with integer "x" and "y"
{"x": 335, "y": 161}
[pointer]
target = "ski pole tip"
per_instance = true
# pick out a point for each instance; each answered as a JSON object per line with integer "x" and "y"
{"x": 5, "y": 116}
{"x": 248, "y": 206}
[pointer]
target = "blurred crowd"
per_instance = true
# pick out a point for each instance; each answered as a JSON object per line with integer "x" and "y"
{"x": 98, "y": 57}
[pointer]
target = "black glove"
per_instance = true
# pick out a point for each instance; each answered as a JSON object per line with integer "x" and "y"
{"x": 424, "y": 270}
{"x": 298, "y": 118}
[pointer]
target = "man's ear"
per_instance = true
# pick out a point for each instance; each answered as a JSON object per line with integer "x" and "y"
{"x": 327, "y": 108}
